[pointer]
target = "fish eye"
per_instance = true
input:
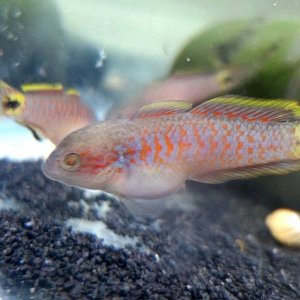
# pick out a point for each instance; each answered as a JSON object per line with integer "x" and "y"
{"x": 13, "y": 103}
{"x": 72, "y": 162}
{"x": 9, "y": 103}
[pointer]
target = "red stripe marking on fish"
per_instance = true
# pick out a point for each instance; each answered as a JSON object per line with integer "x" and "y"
{"x": 146, "y": 148}
{"x": 158, "y": 149}
{"x": 94, "y": 163}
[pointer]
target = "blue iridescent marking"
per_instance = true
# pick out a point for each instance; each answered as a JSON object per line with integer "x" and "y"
{"x": 174, "y": 137}
{"x": 137, "y": 145}
{"x": 191, "y": 140}
{"x": 162, "y": 142}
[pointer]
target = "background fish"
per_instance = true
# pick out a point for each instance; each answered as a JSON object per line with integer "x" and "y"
{"x": 168, "y": 143}
{"x": 45, "y": 109}
{"x": 192, "y": 87}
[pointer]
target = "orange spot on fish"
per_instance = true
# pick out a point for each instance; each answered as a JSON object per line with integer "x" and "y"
{"x": 250, "y": 138}
{"x": 225, "y": 126}
{"x": 213, "y": 145}
{"x": 169, "y": 144}
{"x": 239, "y": 157}
{"x": 227, "y": 146}
{"x": 261, "y": 153}
{"x": 239, "y": 145}
{"x": 158, "y": 148}
{"x": 264, "y": 119}
{"x": 146, "y": 148}
{"x": 217, "y": 113}
{"x": 231, "y": 115}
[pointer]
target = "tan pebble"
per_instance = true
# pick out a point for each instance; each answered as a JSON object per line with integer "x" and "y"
{"x": 284, "y": 225}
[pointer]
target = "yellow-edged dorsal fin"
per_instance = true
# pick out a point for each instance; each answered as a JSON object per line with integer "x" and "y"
{"x": 73, "y": 92}
{"x": 41, "y": 87}
{"x": 250, "y": 109}
{"x": 6, "y": 89}
{"x": 4, "y": 85}
{"x": 164, "y": 108}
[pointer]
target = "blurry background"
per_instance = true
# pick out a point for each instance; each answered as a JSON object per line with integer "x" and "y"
{"x": 109, "y": 50}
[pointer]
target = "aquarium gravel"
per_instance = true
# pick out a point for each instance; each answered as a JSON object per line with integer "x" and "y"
{"x": 209, "y": 244}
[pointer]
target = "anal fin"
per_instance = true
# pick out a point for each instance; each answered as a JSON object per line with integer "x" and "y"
{"x": 274, "y": 168}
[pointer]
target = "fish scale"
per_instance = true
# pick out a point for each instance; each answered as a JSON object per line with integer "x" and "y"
{"x": 166, "y": 144}
{"x": 263, "y": 142}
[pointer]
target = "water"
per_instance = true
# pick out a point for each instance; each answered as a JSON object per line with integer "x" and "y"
{"x": 110, "y": 51}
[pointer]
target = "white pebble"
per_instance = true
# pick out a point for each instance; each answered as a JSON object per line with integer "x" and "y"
{"x": 284, "y": 225}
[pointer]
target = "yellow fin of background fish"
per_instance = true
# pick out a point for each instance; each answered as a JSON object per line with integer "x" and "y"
{"x": 73, "y": 92}
{"x": 163, "y": 108}
{"x": 250, "y": 109}
{"x": 276, "y": 168}
{"x": 5, "y": 89}
{"x": 225, "y": 79}
{"x": 4, "y": 85}
{"x": 41, "y": 87}
{"x": 231, "y": 77}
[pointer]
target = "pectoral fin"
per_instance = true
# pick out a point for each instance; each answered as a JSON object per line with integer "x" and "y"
{"x": 35, "y": 133}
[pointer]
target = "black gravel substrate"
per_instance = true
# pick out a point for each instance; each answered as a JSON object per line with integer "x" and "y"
{"x": 217, "y": 247}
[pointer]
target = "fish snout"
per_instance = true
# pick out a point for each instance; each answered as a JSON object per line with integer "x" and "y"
{"x": 50, "y": 167}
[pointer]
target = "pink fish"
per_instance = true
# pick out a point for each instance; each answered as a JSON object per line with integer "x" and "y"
{"x": 193, "y": 88}
{"x": 167, "y": 143}
{"x": 45, "y": 109}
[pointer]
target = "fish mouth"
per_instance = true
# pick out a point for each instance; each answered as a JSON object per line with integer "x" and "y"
{"x": 49, "y": 166}
{"x": 45, "y": 169}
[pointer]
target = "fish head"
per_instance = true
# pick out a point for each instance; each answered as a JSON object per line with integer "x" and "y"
{"x": 12, "y": 102}
{"x": 85, "y": 158}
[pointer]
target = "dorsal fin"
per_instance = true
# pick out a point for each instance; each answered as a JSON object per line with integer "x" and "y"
{"x": 4, "y": 85}
{"x": 72, "y": 92}
{"x": 250, "y": 109}
{"x": 164, "y": 108}
{"x": 6, "y": 89}
{"x": 42, "y": 88}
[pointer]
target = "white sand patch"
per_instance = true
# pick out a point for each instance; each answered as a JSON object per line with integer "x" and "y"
{"x": 6, "y": 204}
{"x": 91, "y": 193}
{"x": 100, "y": 229}
{"x": 100, "y": 209}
